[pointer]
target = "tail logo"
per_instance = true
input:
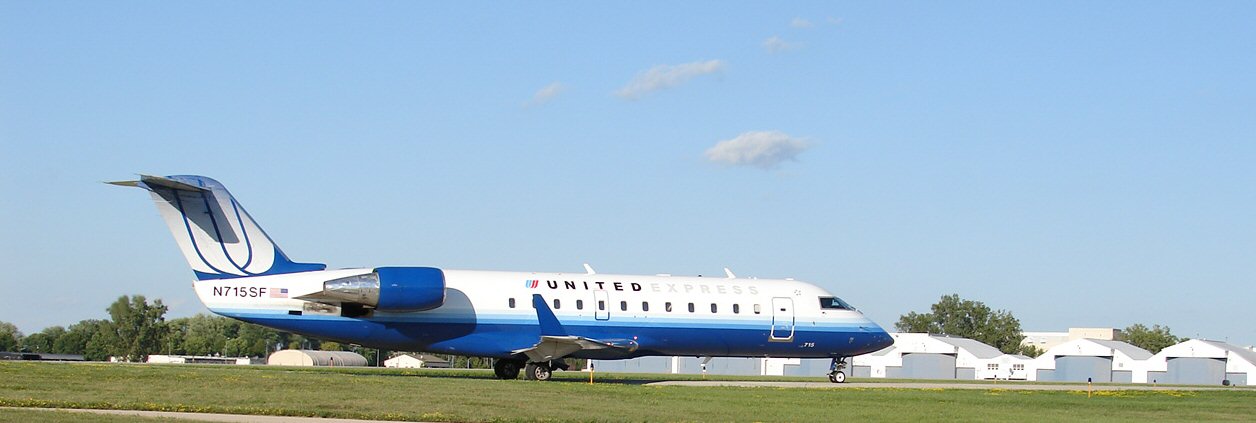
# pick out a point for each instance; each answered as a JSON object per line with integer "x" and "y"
{"x": 218, "y": 238}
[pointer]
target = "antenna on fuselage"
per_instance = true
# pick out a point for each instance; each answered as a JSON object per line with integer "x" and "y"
{"x": 729, "y": 273}
{"x": 589, "y": 269}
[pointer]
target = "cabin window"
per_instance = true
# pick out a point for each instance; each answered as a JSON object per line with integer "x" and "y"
{"x": 736, "y": 308}
{"x": 557, "y": 305}
{"x": 834, "y": 303}
{"x": 512, "y": 303}
{"x": 691, "y": 307}
{"x": 667, "y": 307}
{"x": 579, "y": 304}
{"x": 601, "y": 305}
{"x": 757, "y": 309}
{"x": 645, "y": 306}
{"x": 623, "y": 306}
{"x": 713, "y": 308}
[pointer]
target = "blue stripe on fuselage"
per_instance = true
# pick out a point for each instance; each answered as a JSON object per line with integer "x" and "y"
{"x": 499, "y": 336}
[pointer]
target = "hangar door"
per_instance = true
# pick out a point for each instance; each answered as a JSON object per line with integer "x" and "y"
{"x": 1195, "y": 371}
{"x": 1080, "y": 368}
{"x": 928, "y": 366}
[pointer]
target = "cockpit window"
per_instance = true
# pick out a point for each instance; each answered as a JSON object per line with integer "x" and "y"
{"x": 834, "y": 303}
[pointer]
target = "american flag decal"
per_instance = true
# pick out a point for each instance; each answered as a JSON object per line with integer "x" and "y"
{"x": 279, "y": 292}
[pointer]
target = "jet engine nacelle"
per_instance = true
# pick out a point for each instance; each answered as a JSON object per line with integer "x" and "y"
{"x": 389, "y": 289}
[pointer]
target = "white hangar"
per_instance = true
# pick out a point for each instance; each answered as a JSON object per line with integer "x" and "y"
{"x": 1086, "y": 360}
{"x": 1202, "y": 362}
{"x": 926, "y": 356}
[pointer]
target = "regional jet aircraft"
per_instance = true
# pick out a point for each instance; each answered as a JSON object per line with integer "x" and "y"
{"x": 525, "y": 320}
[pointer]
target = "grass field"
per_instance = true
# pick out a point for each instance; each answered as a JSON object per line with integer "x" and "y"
{"x": 389, "y": 394}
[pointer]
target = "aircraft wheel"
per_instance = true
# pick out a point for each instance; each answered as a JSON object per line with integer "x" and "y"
{"x": 837, "y": 377}
{"x": 506, "y": 369}
{"x": 538, "y": 371}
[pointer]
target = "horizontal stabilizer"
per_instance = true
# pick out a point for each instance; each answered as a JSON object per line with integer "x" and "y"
{"x": 149, "y": 181}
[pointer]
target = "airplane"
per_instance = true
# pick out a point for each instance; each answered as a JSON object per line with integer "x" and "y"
{"x": 523, "y": 320}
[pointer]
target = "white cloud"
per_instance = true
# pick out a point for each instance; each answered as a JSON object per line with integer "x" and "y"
{"x": 834, "y": 21}
{"x": 762, "y": 149}
{"x": 544, "y": 95}
{"x": 667, "y": 76}
{"x": 775, "y": 44}
{"x": 800, "y": 23}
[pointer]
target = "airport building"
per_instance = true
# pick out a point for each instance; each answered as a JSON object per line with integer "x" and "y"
{"x": 315, "y": 358}
{"x": 416, "y": 361}
{"x": 1091, "y": 360}
{"x": 8, "y": 355}
{"x": 197, "y": 359}
{"x": 1202, "y": 362}
{"x": 927, "y": 356}
{"x": 1047, "y": 340}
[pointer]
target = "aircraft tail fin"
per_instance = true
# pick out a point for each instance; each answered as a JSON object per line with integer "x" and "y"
{"x": 217, "y": 237}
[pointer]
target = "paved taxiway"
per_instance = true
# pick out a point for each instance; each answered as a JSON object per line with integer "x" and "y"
{"x": 207, "y": 417}
{"x": 927, "y": 385}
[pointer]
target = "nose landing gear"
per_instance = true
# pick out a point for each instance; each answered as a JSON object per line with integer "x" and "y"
{"x": 837, "y": 370}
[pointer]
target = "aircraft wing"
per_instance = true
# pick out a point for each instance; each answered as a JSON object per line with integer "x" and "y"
{"x": 555, "y": 347}
{"x": 556, "y": 343}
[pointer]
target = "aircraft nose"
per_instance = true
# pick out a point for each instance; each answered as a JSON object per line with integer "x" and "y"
{"x": 880, "y": 339}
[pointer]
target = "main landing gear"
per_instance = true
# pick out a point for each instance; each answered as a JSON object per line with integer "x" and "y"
{"x": 506, "y": 369}
{"x": 509, "y": 369}
{"x": 837, "y": 373}
{"x": 543, "y": 370}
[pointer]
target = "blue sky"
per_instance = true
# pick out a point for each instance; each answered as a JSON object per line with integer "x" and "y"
{"x": 1078, "y": 163}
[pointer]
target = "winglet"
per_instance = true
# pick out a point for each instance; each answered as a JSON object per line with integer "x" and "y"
{"x": 729, "y": 273}
{"x": 545, "y": 316}
{"x": 589, "y": 269}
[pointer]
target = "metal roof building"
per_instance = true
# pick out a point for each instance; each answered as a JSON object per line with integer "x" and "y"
{"x": 416, "y": 361}
{"x": 315, "y": 358}
{"x": 926, "y": 356}
{"x": 1202, "y": 362}
{"x": 1096, "y": 360}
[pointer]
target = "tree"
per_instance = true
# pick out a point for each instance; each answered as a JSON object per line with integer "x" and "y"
{"x": 251, "y": 340}
{"x": 1151, "y": 339}
{"x": 138, "y": 327}
{"x": 1031, "y": 351}
{"x": 10, "y": 337}
{"x": 77, "y": 337}
{"x": 954, "y": 316}
{"x": 44, "y": 340}
{"x": 203, "y": 334}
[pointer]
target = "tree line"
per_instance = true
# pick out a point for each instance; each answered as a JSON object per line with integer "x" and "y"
{"x": 137, "y": 328}
{"x": 956, "y": 316}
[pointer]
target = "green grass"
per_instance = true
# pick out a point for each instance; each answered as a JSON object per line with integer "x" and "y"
{"x": 461, "y": 395}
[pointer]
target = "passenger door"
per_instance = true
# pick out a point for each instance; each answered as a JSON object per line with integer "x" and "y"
{"x": 782, "y": 320}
